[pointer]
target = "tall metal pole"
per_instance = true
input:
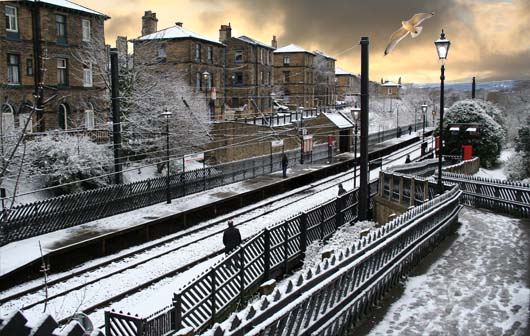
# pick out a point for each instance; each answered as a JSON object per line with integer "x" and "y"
{"x": 38, "y": 65}
{"x": 440, "y": 151}
{"x": 355, "y": 158}
{"x": 423, "y": 134}
{"x": 364, "y": 192}
{"x": 168, "y": 191}
{"x": 302, "y": 137}
{"x": 116, "y": 123}
{"x": 473, "y": 89}
{"x": 415, "y": 120}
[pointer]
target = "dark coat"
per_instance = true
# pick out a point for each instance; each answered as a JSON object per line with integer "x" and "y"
{"x": 231, "y": 238}
{"x": 285, "y": 161}
{"x": 342, "y": 191}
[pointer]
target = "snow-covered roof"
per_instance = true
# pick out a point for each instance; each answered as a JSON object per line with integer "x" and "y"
{"x": 321, "y": 53}
{"x": 292, "y": 48}
{"x": 341, "y": 71}
{"x": 340, "y": 120}
{"x": 70, "y": 5}
{"x": 176, "y": 32}
{"x": 253, "y": 42}
{"x": 388, "y": 83}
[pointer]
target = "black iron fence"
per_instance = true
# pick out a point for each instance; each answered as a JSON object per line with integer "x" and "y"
{"x": 213, "y": 294}
{"x": 507, "y": 197}
{"x": 329, "y": 298}
{"x": 283, "y": 118}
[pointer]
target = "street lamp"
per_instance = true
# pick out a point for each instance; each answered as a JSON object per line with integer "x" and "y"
{"x": 424, "y": 108}
{"x": 442, "y": 48}
{"x": 355, "y": 112}
{"x": 206, "y": 76}
{"x": 166, "y": 114}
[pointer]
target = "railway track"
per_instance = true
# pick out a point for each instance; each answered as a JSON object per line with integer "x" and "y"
{"x": 32, "y": 297}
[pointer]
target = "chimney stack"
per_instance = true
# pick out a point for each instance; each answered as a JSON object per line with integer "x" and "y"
{"x": 123, "y": 52}
{"x": 274, "y": 43}
{"x": 225, "y": 33}
{"x": 149, "y": 23}
{"x": 178, "y": 24}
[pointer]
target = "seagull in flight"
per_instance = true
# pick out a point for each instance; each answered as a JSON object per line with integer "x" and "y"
{"x": 410, "y": 26}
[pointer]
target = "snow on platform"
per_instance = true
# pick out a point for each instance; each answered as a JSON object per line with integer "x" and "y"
{"x": 478, "y": 286}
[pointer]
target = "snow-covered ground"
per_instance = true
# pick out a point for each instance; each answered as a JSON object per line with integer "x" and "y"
{"x": 479, "y": 286}
{"x": 497, "y": 172}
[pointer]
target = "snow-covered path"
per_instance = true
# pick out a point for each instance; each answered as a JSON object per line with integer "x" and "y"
{"x": 478, "y": 286}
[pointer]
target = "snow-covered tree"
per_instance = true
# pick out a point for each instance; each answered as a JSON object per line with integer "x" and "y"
{"x": 518, "y": 166}
{"x": 61, "y": 159}
{"x": 144, "y": 127}
{"x": 489, "y": 143}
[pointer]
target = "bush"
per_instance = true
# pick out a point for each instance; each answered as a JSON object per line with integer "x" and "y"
{"x": 488, "y": 144}
{"x": 62, "y": 159}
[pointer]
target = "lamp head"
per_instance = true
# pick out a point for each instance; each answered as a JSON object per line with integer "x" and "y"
{"x": 442, "y": 47}
{"x": 424, "y": 108}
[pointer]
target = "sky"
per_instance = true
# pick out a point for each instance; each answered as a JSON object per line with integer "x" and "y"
{"x": 490, "y": 39}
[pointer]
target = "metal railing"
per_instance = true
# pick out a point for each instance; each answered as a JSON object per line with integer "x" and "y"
{"x": 274, "y": 250}
{"x": 507, "y": 197}
{"x": 282, "y": 118}
{"x": 328, "y": 298}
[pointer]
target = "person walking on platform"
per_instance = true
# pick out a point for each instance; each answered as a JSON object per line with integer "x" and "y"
{"x": 410, "y": 129}
{"x": 407, "y": 160}
{"x": 285, "y": 163}
{"x": 231, "y": 237}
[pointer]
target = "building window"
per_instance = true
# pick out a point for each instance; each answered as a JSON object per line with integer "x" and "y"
{"x": 86, "y": 30}
{"x": 238, "y": 56}
{"x": 29, "y": 67}
{"x": 62, "y": 72}
{"x": 238, "y": 79}
{"x": 13, "y": 69}
{"x": 286, "y": 75}
{"x": 8, "y": 118}
{"x": 210, "y": 54}
{"x": 198, "y": 81}
{"x": 197, "y": 52}
{"x": 389, "y": 91}
{"x": 62, "y": 116}
{"x": 261, "y": 56}
{"x": 89, "y": 117}
{"x": 286, "y": 60}
{"x": 261, "y": 77}
{"x": 60, "y": 24}
{"x": 161, "y": 54}
{"x": 87, "y": 75}
{"x": 11, "y": 19}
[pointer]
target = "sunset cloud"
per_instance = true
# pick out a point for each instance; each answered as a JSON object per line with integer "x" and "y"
{"x": 490, "y": 38}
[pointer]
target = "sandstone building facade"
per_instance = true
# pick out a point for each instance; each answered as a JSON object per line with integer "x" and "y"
{"x": 63, "y": 49}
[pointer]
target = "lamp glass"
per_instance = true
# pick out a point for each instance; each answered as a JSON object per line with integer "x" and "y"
{"x": 442, "y": 46}
{"x": 424, "y": 108}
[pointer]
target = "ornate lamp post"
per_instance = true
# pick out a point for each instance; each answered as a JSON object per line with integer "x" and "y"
{"x": 442, "y": 48}
{"x": 166, "y": 114}
{"x": 424, "y": 108}
{"x": 355, "y": 113}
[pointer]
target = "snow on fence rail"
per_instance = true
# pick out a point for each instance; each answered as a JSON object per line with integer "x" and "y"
{"x": 40, "y": 217}
{"x": 329, "y": 298}
{"x": 511, "y": 198}
{"x": 213, "y": 294}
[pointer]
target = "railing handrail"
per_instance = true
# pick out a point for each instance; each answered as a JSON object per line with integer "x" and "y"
{"x": 487, "y": 181}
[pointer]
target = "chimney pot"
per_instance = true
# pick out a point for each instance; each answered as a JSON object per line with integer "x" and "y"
{"x": 178, "y": 24}
{"x": 149, "y": 23}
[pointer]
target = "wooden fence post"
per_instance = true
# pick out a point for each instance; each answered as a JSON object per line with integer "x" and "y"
{"x": 177, "y": 306}
{"x": 286, "y": 247}
{"x": 266, "y": 254}
{"x": 213, "y": 293}
{"x": 242, "y": 270}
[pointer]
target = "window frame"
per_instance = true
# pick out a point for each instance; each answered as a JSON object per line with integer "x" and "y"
{"x": 238, "y": 78}
{"x": 86, "y": 34}
{"x": 286, "y": 60}
{"x": 238, "y": 52}
{"x": 11, "y": 67}
{"x": 286, "y": 76}
{"x": 209, "y": 54}
{"x": 198, "y": 52}
{"x": 161, "y": 53}
{"x": 29, "y": 67}
{"x": 62, "y": 69}
{"x": 10, "y": 16}
{"x": 61, "y": 34}
{"x": 88, "y": 74}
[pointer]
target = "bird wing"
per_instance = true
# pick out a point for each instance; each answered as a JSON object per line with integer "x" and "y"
{"x": 419, "y": 18}
{"x": 397, "y": 36}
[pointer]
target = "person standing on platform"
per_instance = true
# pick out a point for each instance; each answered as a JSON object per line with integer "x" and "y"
{"x": 285, "y": 163}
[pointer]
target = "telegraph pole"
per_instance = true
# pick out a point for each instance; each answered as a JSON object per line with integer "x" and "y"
{"x": 38, "y": 62}
{"x": 473, "y": 89}
{"x": 116, "y": 123}
{"x": 364, "y": 192}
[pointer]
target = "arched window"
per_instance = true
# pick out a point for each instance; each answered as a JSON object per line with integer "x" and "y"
{"x": 62, "y": 116}
{"x": 8, "y": 117}
{"x": 89, "y": 117}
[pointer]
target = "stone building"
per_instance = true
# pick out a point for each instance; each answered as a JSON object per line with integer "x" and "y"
{"x": 62, "y": 46}
{"x": 389, "y": 89}
{"x": 348, "y": 84}
{"x": 182, "y": 54}
{"x": 325, "y": 88}
{"x": 294, "y": 75}
{"x": 249, "y": 73}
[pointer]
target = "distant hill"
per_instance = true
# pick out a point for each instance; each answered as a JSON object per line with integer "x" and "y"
{"x": 488, "y": 86}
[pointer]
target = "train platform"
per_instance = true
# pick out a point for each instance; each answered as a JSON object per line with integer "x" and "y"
{"x": 97, "y": 237}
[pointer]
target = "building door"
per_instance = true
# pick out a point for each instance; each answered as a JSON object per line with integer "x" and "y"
{"x": 344, "y": 141}
{"x": 62, "y": 116}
